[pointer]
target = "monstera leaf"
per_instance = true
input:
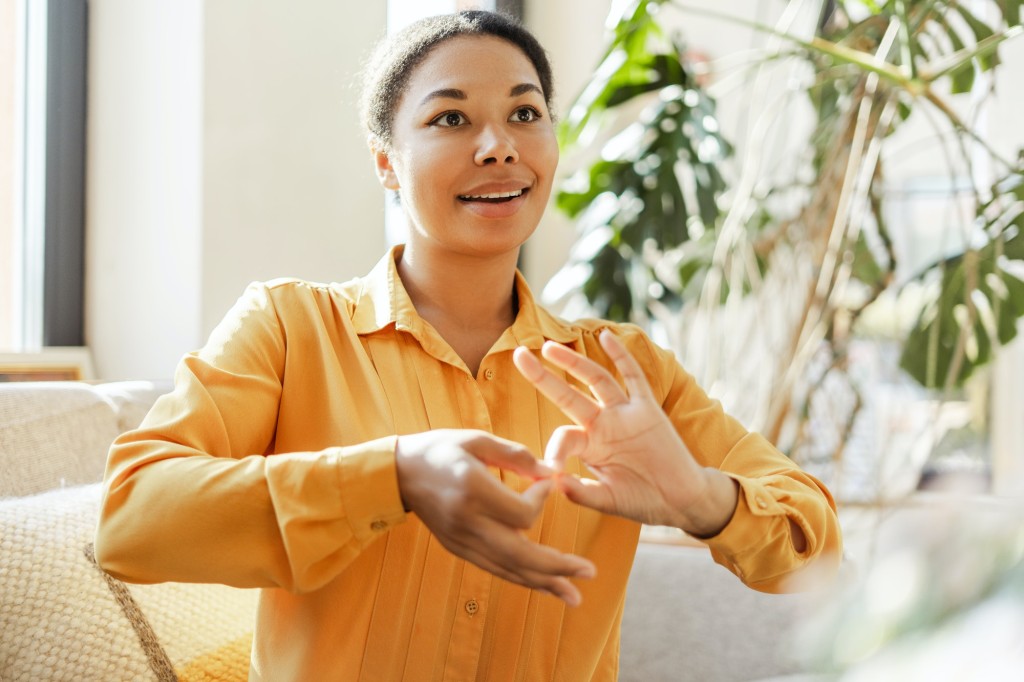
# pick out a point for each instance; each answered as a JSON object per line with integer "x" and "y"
{"x": 639, "y": 59}
{"x": 979, "y": 299}
{"x": 653, "y": 180}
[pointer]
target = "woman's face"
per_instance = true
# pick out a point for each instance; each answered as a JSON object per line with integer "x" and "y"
{"x": 473, "y": 148}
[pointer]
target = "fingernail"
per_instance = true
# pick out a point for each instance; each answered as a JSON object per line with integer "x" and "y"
{"x": 544, "y": 484}
{"x": 588, "y": 571}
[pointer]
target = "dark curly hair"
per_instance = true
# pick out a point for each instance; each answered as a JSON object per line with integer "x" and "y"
{"x": 392, "y": 63}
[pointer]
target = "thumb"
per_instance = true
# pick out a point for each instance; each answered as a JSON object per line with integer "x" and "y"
{"x": 565, "y": 442}
{"x": 508, "y": 455}
{"x": 587, "y": 492}
{"x": 536, "y": 494}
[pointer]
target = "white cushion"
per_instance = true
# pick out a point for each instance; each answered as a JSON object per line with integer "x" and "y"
{"x": 131, "y": 400}
{"x": 52, "y": 434}
{"x": 687, "y": 618}
{"x": 57, "y": 434}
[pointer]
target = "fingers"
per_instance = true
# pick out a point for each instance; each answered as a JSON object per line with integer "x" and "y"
{"x": 508, "y": 455}
{"x": 580, "y": 408}
{"x": 537, "y": 494}
{"x": 600, "y": 381}
{"x": 443, "y": 478}
{"x": 494, "y": 544}
{"x": 629, "y": 368}
{"x": 587, "y": 492}
{"x": 495, "y": 500}
{"x": 502, "y": 503}
{"x": 556, "y": 586}
{"x": 447, "y": 469}
{"x": 511, "y": 556}
{"x": 565, "y": 442}
{"x": 602, "y": 384}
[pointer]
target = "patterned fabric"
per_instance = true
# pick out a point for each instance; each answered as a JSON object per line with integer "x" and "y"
{"x": 61, "y": 618}
{"x": 52, "y": 435}
{"x": 56, "y": 434}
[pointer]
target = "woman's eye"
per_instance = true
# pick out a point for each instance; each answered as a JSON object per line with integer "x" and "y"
{"x": 525, "y": 115}
{"x": 450, "y": 119}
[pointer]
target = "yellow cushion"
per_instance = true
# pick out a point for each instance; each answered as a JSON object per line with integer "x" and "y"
{"x": 63, "y": 618}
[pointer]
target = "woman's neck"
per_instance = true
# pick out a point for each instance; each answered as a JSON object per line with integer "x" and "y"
{"x": 470, "y": 301}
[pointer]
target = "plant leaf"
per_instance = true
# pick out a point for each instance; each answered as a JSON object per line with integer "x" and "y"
{"x": 980, "y": 299}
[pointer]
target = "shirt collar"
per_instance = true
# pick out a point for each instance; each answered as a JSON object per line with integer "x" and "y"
{"x": 382, "y": 300}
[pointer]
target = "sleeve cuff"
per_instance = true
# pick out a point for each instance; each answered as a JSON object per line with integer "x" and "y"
{"x": 368, "y": 480}
{"x": 758, "y": 521}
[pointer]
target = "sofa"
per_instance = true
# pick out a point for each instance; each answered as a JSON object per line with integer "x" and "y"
{"x": 62, "y": 618}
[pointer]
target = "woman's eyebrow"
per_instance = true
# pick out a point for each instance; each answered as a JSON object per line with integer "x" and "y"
{"x": 444, "y": 93}
{"x": 455, "y": 93}
{"x": 524, "y": 88}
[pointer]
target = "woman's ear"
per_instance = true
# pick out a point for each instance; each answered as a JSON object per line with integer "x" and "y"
{"x": 382, "y": 164}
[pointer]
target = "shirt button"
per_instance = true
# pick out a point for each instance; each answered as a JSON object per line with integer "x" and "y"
{"x": 378, "y": 525}
{"x": 472, "y": 607}
{"x": 488, "y": 374}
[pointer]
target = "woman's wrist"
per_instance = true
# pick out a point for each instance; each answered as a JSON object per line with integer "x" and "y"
{"x": 709, "y": 515}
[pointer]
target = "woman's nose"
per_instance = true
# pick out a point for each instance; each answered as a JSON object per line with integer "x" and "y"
{"x": 495, "y": 146}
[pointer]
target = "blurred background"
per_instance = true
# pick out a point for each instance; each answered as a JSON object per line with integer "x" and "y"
{"x": 817, "y": 204}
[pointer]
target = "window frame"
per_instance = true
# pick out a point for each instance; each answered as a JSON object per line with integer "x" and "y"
{"x": 64, "y": 190}
{"x": 48, "y": 229}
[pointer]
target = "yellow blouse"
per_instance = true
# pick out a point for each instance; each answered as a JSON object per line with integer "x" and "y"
{"x": 271, "y": 465}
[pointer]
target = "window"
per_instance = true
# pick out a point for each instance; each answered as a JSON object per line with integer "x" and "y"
{"x": 9, "y": 293}
{"x": 42, "y": 145}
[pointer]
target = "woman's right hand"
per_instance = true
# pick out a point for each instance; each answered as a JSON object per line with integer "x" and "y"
{"x": 443, "y": 478}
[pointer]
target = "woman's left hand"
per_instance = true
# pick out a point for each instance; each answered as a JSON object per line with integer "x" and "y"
{"x": 643, "y": 469}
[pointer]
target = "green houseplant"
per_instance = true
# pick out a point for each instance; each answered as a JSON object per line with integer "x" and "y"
{"x": 673, "y": 235}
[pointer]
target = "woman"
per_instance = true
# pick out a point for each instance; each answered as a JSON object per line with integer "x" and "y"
{"x": 368, "y": 452}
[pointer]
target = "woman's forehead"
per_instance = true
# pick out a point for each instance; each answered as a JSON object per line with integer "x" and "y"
{"x": 472, "y": 61}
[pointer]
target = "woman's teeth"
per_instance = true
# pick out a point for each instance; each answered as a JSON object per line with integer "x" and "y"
{"x": 496, "y": 196}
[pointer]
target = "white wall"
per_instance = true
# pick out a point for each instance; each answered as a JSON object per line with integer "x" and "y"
{"x": 289, "y": 187}
{"x": 1008, "y": 369}
{"x": 223, "y": 147}
{"x": 572, "y": 31}
{"x": 144, "y": 185}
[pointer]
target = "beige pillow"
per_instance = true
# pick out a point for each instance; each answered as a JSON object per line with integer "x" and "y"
{"x": 52, "y": 435}
{"x": 62, "y": 618}
{"x": 132, "y": 400}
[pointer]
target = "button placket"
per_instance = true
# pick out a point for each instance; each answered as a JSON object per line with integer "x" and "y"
{"x": 473, "y": 405}
{"x": 466, "y": 642}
